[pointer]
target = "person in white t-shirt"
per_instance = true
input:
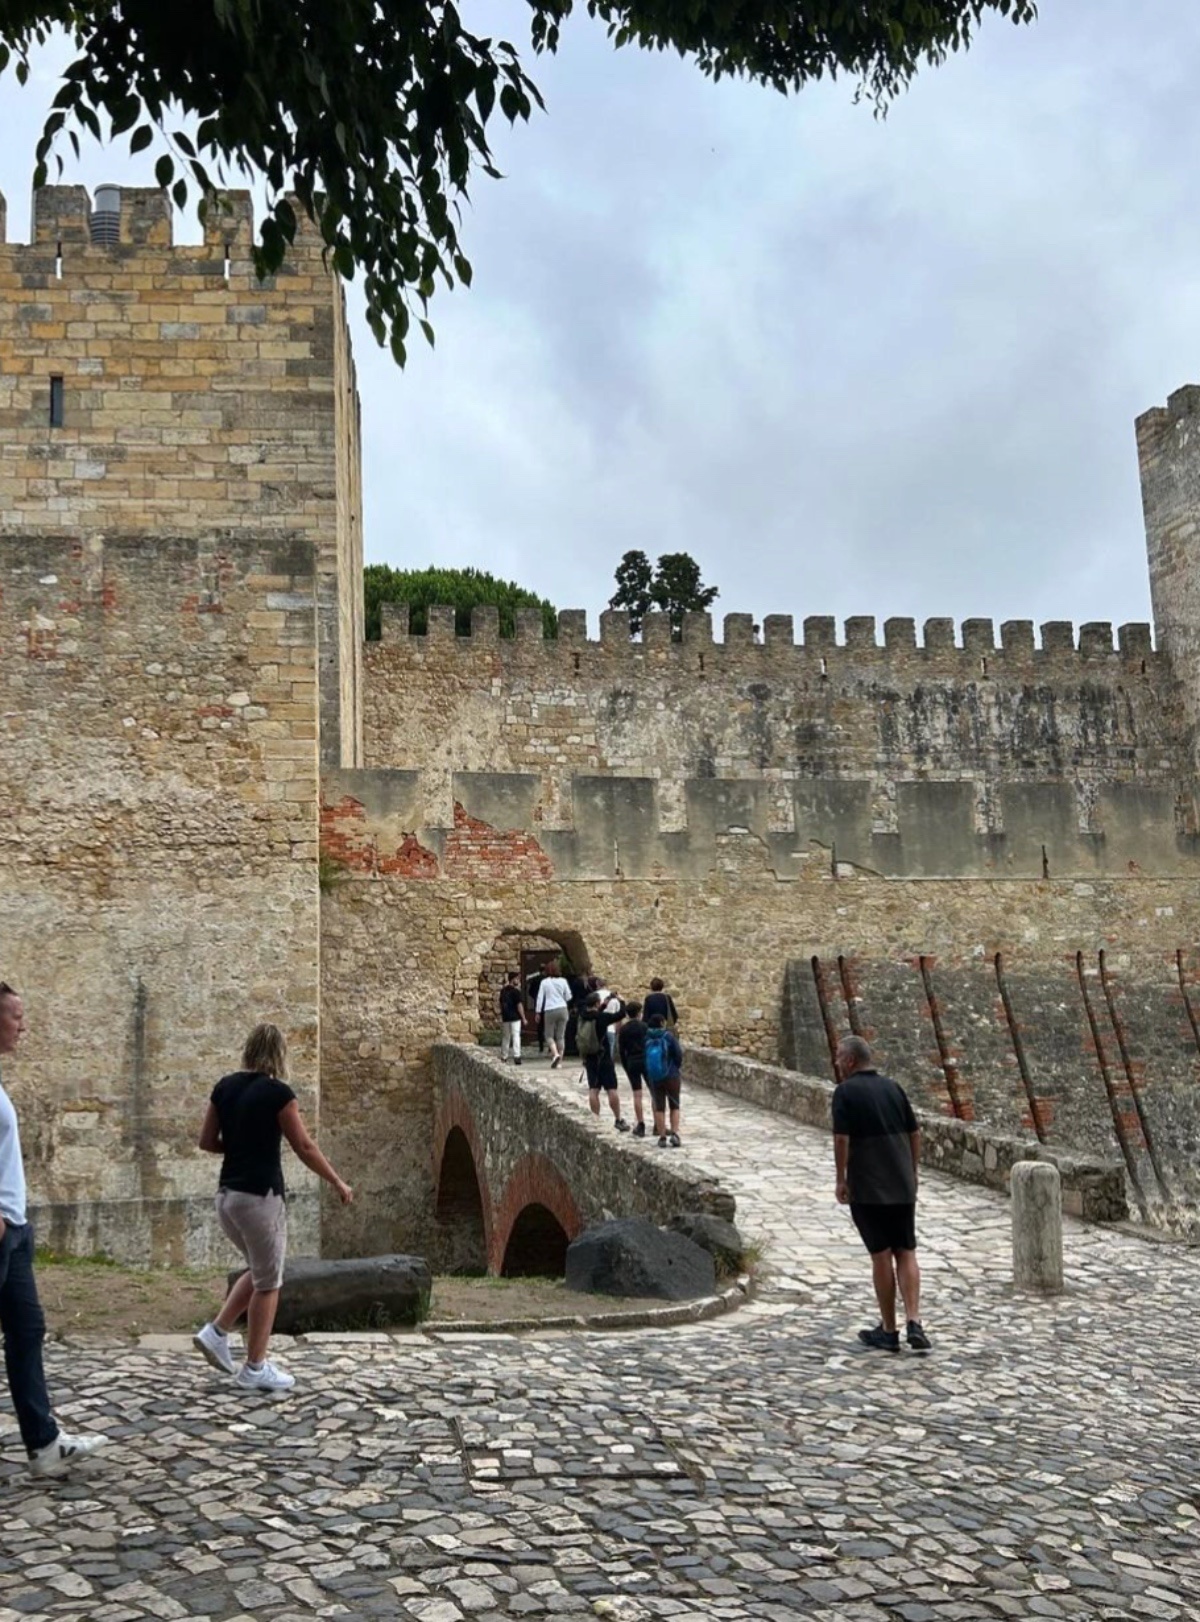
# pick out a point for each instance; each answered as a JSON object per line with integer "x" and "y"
{"x": 554, "y": 994}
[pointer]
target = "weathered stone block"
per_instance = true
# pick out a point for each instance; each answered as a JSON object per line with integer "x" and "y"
{"x": 632, "y": 1257}
{"x": 721, "y": 1239}
{"x": 360, "y": 1292}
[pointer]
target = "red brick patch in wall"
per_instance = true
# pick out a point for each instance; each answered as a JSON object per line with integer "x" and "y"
{"x": 345, "y": 838}
{"x": 476, "y": 850}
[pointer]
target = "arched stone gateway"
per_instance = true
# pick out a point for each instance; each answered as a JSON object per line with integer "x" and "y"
{"x": 527, "y": 951}
{"x": 537, "y": 1246}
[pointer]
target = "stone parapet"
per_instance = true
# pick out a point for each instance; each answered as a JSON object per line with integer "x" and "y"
{"x": 1092, "y": 1189}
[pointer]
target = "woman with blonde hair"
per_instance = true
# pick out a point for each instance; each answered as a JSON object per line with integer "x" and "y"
{"x": 249, "y": 1114}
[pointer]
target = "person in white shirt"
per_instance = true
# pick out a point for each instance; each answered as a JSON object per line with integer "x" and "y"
{"x": 52, "y": 1451}
{"x": 554, "y": 995}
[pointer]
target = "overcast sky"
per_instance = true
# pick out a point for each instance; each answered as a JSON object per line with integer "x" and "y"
{"x": 851, "y": 366}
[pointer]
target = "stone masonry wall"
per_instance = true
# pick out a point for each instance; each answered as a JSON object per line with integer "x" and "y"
{"x": 404, "y": 942}
{"x": 630, "y": 759}
{"x": 195, "y": 399}
{"x": 158, "y": 875}
{"x": 1169, "y": 457}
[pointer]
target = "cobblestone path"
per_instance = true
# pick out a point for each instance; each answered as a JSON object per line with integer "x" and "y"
{"x": 1042, "y": 1461}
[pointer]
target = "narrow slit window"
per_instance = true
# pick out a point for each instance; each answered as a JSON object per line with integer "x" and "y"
{"x": 56, "y": 402}
{"x": 58, "y": 263}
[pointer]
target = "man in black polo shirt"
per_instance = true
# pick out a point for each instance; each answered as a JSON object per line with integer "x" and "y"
{"x": 876, "y": 1148}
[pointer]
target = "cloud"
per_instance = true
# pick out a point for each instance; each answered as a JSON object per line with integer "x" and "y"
{"x": 851, "y": 365}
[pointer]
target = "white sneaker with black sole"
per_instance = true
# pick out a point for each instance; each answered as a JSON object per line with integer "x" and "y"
{"x": 213, "y": 1346}
{"x": 58, "y": 1456}
{"x": 266, "y": 1377}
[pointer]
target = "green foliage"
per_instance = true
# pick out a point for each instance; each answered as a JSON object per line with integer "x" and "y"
{"x": 673, "y": 586}
{"x": 372, "y": 114}
{"x": 460, "y": 589}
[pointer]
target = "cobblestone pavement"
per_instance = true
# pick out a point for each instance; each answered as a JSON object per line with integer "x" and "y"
{"x": 1042, "y": 1461}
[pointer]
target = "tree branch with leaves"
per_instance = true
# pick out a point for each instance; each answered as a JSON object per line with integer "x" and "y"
{"x": 374, "y": 113}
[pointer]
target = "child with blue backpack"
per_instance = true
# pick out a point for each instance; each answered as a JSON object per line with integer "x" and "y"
{"x": 663, "y": 1062}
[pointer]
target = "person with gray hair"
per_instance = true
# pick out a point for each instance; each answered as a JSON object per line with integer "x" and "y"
{"x": 876, "y": 1152}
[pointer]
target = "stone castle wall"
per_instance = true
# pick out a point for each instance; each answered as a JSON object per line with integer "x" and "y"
{"x": 194, "y": 399}
{"x": 402, "y": 958}
{"x": 981, "y": 850}
{"x": 158, "y": 876}
{"x": 940, "y": 759}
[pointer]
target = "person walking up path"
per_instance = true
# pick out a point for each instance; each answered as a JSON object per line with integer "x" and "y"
{"x": 592, "y": 1041}
{"x": 631, "y": 1045}
{"x": 248, "y": 1116}
{"x": 553, "y": 996}
{"x": 877, "y": 1148}
{"x": 52, "y": 1451}
{"x": 660, "y": 1001}
{"x": 512, "y": 1007}
{"x": 664, "y": 1064}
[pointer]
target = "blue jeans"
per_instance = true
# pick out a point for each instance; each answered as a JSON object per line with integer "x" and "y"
{"x": 24, "y": 1326}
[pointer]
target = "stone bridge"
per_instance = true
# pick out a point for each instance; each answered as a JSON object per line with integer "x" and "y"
{"x": 519, "y": 1169}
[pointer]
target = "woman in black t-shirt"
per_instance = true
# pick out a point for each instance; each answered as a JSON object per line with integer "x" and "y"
{"x": 249, "y": 1114}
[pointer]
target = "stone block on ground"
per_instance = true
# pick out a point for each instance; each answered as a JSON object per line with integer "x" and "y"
{"x": 632, "y": 1257}
{"x": 720, "y": 1238}
{"x": 357, "y": 1292}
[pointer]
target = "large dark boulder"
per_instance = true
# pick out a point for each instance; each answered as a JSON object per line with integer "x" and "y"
{"x": 361, "y": 1292}
{"x": 632, "y": 1257}
{"x": 720, "y": 1238}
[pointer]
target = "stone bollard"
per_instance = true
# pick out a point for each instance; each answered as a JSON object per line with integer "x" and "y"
{"x": 1037, "y": 1226}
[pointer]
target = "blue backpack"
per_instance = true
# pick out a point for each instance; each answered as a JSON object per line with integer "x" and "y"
{"x": 658, "y": 1054}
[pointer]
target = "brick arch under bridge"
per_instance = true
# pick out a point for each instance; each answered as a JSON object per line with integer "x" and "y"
{"x": 523, "y": 1227}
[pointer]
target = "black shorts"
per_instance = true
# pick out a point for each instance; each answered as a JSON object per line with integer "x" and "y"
{"x": 635, "y": 1074}
{"x": 665, "y": 1093}
{"x": 886, "y": 1227}
{"x": 600, "y": 1072}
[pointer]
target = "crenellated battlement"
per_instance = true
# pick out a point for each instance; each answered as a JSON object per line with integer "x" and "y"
{"x": 72, "y": 229}
{"x": 940, "y": 639}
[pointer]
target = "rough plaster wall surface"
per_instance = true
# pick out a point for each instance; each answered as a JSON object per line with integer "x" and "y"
{"x": 195, "y": 398}
{"x": 158, "y": 889}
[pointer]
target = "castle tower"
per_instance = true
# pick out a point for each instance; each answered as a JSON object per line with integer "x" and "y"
{"x": 153, "y": 389}
{"x": 1169, "y": 458}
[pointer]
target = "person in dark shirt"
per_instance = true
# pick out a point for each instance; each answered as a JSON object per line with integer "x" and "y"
{"x": 631, "y": 1046}
{"x": 249, "y": 1114}
{"x": 876, "y": 1150}
{"x": 659, "y": 1001}
{"x": 594, "y": 1049}
{"x": 664, "y": 1063}
{"x": 512, "y": 1011}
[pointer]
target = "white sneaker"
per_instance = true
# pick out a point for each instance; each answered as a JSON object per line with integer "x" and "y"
{"x": 266, "y": 1378}
{"x": 214, "y": 1346}
{"x": 57, "y": 1457}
